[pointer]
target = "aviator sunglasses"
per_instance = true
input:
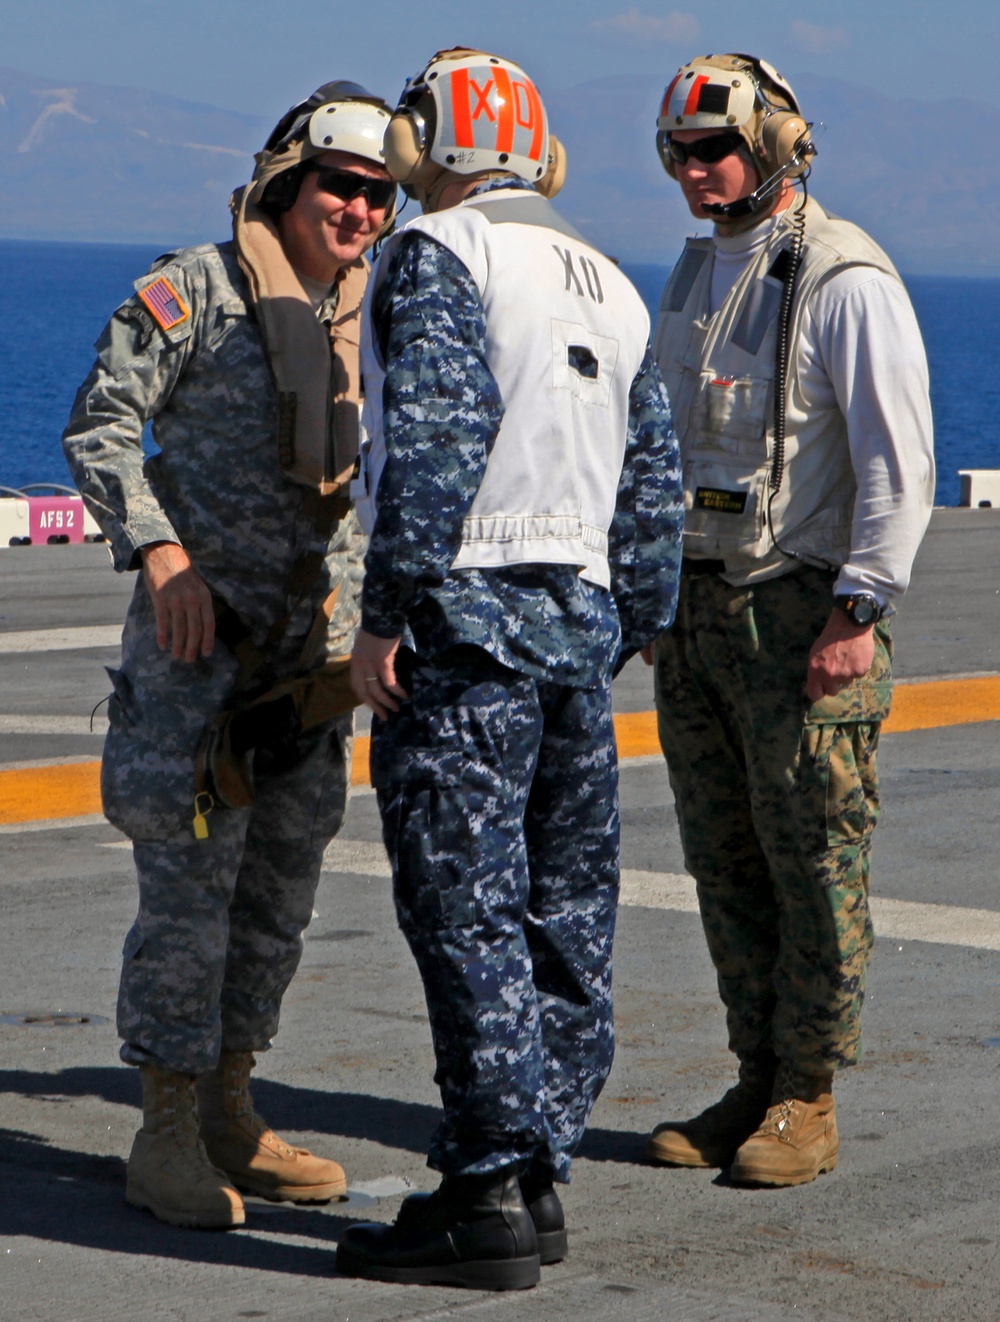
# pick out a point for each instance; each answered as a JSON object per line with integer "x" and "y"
{"x": 346, "y": 185}
{"x": 707, "y": 150}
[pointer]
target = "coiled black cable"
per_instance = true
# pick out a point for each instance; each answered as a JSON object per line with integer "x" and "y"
{"x": 782, "y": 350}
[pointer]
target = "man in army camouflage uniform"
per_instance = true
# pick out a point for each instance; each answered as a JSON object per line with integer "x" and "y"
{"x": 526, "y": 537}
{"x": 244, "y": 357}
{"x": 799, "y": 384}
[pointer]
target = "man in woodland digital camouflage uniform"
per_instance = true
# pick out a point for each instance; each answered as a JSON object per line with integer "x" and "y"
{"x": 244, "y": 357}
{"x": 523, "y": 483}
{"x": 799, "y": 385}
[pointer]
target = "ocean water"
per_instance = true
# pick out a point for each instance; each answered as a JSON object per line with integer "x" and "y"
{"x": 56, "y": 297}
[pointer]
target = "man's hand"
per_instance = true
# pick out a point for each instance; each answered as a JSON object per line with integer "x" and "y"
{"x": 185, "y": 619}
{"x": 843, "y": 651}
{"x": 648, "y": 653}
{"x": 373, "y": 673}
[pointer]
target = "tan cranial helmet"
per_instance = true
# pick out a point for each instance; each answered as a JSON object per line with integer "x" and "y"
{"x": 742, "y": 93}
{"x": 470, "y": 113}
{"x": 339, "y": 116}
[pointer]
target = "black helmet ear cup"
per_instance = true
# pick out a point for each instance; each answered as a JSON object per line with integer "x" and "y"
{"x": 280, "y": 192}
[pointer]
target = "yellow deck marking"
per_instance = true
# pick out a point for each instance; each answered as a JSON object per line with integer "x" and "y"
{"x": 38, "y": 793}
{"x": 944, "y": 702}
{"x": 918, "y": 706}
{"x": 359, "y": 768}
{"x": 73, "y": 789}
{"x": 636, "y": 734}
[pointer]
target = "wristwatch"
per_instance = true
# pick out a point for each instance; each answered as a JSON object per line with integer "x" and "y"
{"x": 861, "y": 608}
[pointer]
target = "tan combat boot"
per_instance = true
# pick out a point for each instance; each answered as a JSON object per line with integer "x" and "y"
{"x": 168, "y": 1170}
{"x": 255, "y": 1158}
{"x": 797, "y": 1139}
{"x": 711, "y": 1138}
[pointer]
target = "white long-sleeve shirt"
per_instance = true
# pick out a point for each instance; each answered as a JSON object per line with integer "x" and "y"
{"x": 860, "y": 346}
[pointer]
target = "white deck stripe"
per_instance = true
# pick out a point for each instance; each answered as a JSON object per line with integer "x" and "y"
{"x": 61, "y": 640}
{"x": 55, "y": 824}
{"x": 55, "y": 724}
{"x": 895, "y": 920}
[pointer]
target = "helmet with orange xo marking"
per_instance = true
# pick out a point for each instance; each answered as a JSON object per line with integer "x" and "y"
{"x": 748, "y": 96}
{"x": 469, "y": 113}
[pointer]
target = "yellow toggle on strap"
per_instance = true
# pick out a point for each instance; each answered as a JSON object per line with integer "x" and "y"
{"x": 203, "y": 805}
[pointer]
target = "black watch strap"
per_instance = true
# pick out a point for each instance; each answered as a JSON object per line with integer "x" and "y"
{"x": 861, "y": 608}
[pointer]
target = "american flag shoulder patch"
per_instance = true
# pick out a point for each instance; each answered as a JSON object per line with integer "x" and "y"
{"x": 164, "y": 302}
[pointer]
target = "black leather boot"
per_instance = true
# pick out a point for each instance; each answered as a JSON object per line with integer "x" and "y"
{"x": 473, "y": 1231}
{"x": 546, "y": 1210}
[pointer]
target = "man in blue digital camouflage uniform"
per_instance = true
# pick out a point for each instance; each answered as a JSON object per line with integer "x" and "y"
{"x": 244, "y": 356}
{"x": 522, "y": 483}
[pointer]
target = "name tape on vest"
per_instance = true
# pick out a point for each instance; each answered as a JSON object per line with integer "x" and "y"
{"x": 724, "y": 502}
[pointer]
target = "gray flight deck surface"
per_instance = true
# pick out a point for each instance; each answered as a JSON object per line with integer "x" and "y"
{"x": 904, "y": 1230}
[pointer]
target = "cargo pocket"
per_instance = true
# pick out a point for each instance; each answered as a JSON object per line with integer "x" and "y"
{"x": 729, "y": 415}
{"x": 429, "y": 838}
{"x": 838, "y": 769}
{"x": 725, "y": 504}
{"x": 841, "y": 741}
{"x": 121, "y": 728}
{"x": 147, "y": 770}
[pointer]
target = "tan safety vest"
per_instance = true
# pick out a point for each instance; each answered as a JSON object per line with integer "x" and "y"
{"x": 316, "y": 371}
{"x": 719, "y": 371}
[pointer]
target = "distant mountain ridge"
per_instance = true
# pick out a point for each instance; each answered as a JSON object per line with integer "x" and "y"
{"x": 118, "y": 165}
{"x": 923, "y": 178}
{"x": 98, "y": 163}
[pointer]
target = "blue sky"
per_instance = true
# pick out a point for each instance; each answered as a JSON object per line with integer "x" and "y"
{"x": 261, "y": 55}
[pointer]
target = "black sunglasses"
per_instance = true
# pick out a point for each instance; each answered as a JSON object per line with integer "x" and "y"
{"x": 709, "y": 150}
{"x": 345, "y": 184}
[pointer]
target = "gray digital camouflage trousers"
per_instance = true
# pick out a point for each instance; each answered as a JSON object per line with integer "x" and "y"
{"x": 777, "y": 800}
{"x": 218, "y": 935}
{"x": 499, "y": 802}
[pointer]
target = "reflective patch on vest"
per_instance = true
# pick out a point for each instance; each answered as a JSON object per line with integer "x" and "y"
{"x": 760, "y": 312}
{"x": 682, "y": 279}
{"x": 720, "y": 501}
{"x": 164, "y": 302}
{"x": 781, "y": 267}
{"x": 582, "y": 360}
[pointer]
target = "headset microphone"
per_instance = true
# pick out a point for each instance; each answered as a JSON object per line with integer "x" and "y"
{"x": 746, "y": 206}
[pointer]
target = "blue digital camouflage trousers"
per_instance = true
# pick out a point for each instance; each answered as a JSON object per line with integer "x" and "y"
{"x": 499, "y": 802}
{"x": 218, "y": 935}
{"x": 776, "y": 800}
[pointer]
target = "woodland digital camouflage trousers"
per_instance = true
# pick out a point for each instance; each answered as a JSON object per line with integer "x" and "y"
{"x": 777, "y": 800}
{"x": 499, "y": 802}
